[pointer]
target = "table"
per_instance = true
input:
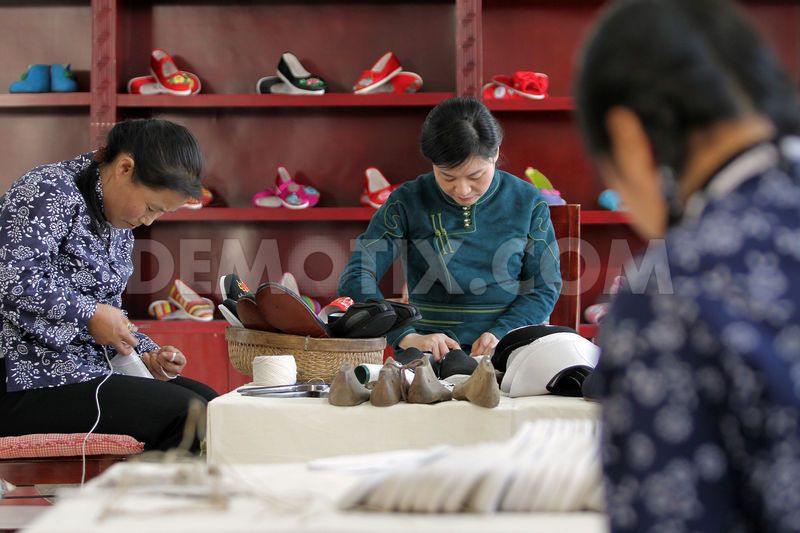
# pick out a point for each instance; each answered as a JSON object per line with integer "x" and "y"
{"x": 246, "y": 429}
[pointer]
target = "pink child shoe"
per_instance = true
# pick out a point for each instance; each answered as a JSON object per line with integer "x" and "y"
{"x": 292, "y": 194}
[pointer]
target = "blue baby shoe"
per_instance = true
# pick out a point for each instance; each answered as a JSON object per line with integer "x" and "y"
{"x": 35, "y": 80}
{"x": 609, "y": 199}
{"x": 62, "y": 79}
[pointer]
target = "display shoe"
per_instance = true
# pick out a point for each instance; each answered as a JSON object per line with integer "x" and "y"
{"x": 425, "y": 388}
{"x": 530, "y": 85}
{"x": 206, "y": 197}
{"x": 228, "y": 311}
{"x": 345, "y": 389}
{"x": 481, "y": 388}
{"x": 62, "y": 79}
{"x": 250, "y": 316}
{"x": 381, "y": 73}
{"x": 292, "y": 194}
{"x": 184, "y": 297}
{"x": 387, "y": 390}
{"x": 300, "y": 81}
{"x": 166, "y": 310}
{"x": 457, "y": 362}
{"x": 403, "y": 83}
{"x": 286, "y": 311}
{"x": 231, "y": 286}
{"x": 376, "y": 188}
{"x": 148, "y": 85}
{"x": 173, "y": 80}
{"x": 35, "y": 80}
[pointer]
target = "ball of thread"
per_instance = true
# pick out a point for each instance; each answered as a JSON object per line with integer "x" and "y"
{"x": 273, "y": 370}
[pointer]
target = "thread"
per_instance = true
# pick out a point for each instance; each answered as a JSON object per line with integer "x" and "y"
{"x": 274, "y": 370}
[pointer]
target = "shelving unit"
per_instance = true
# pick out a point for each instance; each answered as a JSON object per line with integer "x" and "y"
{"x": 325, "y": 141}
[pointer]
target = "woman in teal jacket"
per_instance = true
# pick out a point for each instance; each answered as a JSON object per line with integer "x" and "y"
{"x": 477, "y": 244}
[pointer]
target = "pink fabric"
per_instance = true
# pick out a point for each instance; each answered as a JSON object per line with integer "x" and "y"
{"x": 67, "y": 445}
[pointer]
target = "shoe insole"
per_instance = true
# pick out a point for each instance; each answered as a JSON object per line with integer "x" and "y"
{"x": 287, "y": 312}
{"x": 250, "y": 316}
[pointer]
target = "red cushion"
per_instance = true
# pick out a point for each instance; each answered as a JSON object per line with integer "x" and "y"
{"x": 67, "y": 444}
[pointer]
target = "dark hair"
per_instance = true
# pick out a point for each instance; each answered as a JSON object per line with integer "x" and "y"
{"x": 680, "y": 65}
{"x": 458, "y": 129}
{"x": 165, "y": 155}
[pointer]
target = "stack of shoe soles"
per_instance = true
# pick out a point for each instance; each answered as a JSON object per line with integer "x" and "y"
{"x": 550, "y": 465}
{"x": 392, "y": 386}
{"x": 542, "y": 359}
{"x": 275, "y": 308}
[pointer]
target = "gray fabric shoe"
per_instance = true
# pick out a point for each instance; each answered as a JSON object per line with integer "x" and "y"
{"x": 481, "y": 388}
{"x": 387, "y": 390}
{"x": 425, "y": 388}
{"x": 345, "y": 390}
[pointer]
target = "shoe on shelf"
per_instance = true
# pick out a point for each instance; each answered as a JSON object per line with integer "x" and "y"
{"x": 34, "y": 80}
{"x": 300, "y": 81}
{"x": 166, "y": 310}
{"x": 402, "y": 83}
{"x": 206, "y": 197}
{"x": 173, "y": 80}
{"x": 273, "y": 85}
{"x": 181, "y": 295}
{"x": 267, "y": 198}
{"x": 285, "y": 183}
{"x": 148, "y": 85}
{"x": 346, "y": 390}
{"x": 232, "y": 287}
{"x": 386, "y": 67}
{"x": 531, "y": 85}
{"x": 494, "y": 91}
{"x": 376, "y": 188}
{"x": 62, "y": 79}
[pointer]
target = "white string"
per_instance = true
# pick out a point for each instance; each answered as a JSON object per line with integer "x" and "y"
{"x": 97, "y": 421}
{"x": 273, "y": 370}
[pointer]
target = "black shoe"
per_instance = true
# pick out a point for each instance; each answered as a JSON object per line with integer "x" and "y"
{"x": 291, "y": 71}
{"x": 406, "y": 314}
{"x": 457, "y": 362}
{"x": 233, "y": 288}
{"x": 363, "y": 320}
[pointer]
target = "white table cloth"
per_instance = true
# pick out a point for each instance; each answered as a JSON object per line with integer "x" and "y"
{"x": 275, "y": 498}
{"x": 246, "y": 429}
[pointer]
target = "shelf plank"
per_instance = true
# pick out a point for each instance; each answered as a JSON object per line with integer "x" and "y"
{"x": 588, "y": 330}
{"x": 279, "y": 100}
{"x": 44, "y": 100}
{"x": 603, "y": 217}
{"x": 279, "y": 214}
{"x": 556, "y": 103}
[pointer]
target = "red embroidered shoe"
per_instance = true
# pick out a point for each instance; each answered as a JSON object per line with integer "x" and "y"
{"x": 531, "y": 85}
{"x": 376, "y": 188}
{"x": 403, "y": 83}
{"x": 173, "y": 80}
{"x": 381, "y": 72}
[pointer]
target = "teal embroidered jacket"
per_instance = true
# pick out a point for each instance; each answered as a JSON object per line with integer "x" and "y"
{"x": 492, "y": 266}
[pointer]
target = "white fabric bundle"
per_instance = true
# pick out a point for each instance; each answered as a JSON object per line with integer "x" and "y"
{"x": 550, "y": 465}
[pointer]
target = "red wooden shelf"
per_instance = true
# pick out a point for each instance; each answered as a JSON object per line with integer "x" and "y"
{"x": 588, "y": 330}
{"x": 44, "y": 100}
{"x": 278, "y": 214}
{"x": 280, "y": 100}
{"x": 603, "y": 217}
{"x": 556, "y": 103}
{"x": 180, "y": 326}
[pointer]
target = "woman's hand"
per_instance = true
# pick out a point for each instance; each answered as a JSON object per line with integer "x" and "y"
{"x": 165, "y": 363}
{"x": 109, "y": 325}
{"x": 436, "y": 343}
{"x": 484, "y": 344}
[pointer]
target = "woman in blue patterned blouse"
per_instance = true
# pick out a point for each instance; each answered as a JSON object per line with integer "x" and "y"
{"x": 65, "y": 258}
{"x": 690, "y": 117}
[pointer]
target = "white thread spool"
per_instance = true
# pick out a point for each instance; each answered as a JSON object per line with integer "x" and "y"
{"x": 274, "y": 370}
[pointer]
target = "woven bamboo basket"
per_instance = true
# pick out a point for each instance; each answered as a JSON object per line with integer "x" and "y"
{"x": 316, "y": 358}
